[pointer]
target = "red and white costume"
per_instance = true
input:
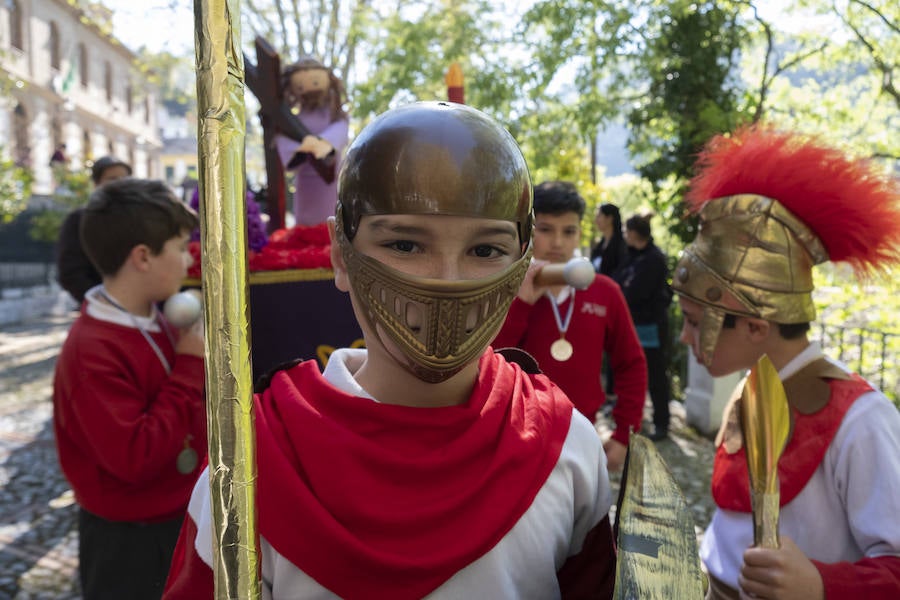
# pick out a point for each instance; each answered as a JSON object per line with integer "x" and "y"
{"x": 840, "y": 494}
{"x": 121, "y": 421}
{"x": 505, "y": 496}
{"x": 600, "y": 323}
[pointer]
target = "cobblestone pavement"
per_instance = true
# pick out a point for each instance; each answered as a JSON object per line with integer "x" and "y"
{"x": 38, "y": 547}
{"x": 689, "y": 457}
{"x": 38, "y": 541}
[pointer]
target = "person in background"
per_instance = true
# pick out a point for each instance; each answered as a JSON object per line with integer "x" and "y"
{"x": 426, "y": 464}
{"x": 593, "y": 322}
{"x": 772, "y": 205}
{"x": 59, "y": 166}
{"x": 611, "y": 252}
{"x": 74, "y": 270}
{"x": 128, "y": 393}
{"x": 645, "y": 282}
{"x": 58, "y": 158}
{"x": 607, "y": 256}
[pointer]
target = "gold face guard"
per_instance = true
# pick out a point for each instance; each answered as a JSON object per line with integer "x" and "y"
{"x": 440, "y": 326}
{"x": 751, "y": 257}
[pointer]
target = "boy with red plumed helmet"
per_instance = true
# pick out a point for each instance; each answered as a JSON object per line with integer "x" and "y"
{"x": 772, "y": 205}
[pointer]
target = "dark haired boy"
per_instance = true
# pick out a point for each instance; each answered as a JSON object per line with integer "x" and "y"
{"x": 128, "y": 393}
{"x": 591, "y": 321}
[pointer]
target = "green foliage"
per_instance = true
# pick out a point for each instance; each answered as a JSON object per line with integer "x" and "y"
{"x": 15, "y": 189}
{"x": 692, "y": 96}
{"x": 832, "y": 77}
{"x": 74, "y": 191}
{"x": 857, "y": 323}
{"x": 412, "y": 50}
{"x": 173, "y": 77}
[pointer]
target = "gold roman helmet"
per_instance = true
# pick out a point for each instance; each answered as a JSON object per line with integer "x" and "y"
{"x": 751, "y": 257}
{"x": 772, "y": 205}
{"x": 434, "y": 158}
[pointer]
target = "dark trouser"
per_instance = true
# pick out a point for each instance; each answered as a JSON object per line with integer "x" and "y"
{"x": 658, "y": 383}
{"x": 119, "y": 560}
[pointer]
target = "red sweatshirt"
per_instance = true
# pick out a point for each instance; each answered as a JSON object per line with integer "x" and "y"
{"x": 121, "y": 421}
{"x": 600, "y": 323}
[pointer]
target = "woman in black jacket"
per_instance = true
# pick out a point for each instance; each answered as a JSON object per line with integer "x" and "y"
{"x": 645, "y": 283}
{"x": 610, "y": 253}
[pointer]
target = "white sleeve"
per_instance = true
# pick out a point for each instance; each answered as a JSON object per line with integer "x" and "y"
{"x": 583, "y": 452}
{"x": 864, "y": 459}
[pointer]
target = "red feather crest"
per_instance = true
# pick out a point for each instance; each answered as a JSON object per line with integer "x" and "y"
{"x": 849, "y": 205}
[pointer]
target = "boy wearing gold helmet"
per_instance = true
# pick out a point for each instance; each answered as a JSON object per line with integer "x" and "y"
{"x": 425, "y": 465}
{"x": 771, "y": 206}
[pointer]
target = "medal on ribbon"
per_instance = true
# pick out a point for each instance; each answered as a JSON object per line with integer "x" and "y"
{"x": 562, "y": 348}
{"x": 187, "y": 459}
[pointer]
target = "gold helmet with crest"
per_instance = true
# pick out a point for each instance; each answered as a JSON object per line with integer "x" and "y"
{"x": 772, "y": 205}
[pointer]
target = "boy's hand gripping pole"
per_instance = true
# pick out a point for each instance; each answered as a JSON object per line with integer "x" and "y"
{"x": 766, "y": 425}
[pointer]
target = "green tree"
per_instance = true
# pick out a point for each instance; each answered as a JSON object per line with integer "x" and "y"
{"x": 73, "y": 191}
{"x": 692, "y": 95}
{"x": 15, "y": 188}
{"x": 836, "y": 78}
{"x": 173, "y": 76}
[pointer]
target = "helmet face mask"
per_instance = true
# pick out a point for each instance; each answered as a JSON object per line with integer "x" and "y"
{"x": 433, "y": 159}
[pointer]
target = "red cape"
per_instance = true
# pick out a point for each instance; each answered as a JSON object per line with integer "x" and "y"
{"x": 383, "y": 501}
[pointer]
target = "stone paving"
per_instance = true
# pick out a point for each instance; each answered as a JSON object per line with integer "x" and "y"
{"x": 38, "y": 540}
{"x": 38, "y": 544}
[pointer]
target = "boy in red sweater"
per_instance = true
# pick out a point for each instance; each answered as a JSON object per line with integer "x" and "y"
{"x": 592, "y": 321}
{"x": 128, "y": 393}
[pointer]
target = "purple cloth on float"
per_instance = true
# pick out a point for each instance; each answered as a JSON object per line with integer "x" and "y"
{"x": 296, "y": 319}
{"x": 314, "y": 200}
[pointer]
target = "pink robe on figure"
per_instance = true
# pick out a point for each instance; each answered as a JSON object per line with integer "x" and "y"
{"x": 314, "y": 200}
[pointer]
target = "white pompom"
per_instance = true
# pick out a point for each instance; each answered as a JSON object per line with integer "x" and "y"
{"x": 183, "y": 309}
{"x": 579, "y": 273}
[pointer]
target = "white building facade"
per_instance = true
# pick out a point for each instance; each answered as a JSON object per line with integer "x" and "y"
{"x": 68, "y": 81}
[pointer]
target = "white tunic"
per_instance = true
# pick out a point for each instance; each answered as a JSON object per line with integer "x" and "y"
{"x": 849, "y": 509}
{"x": 523, "y": 565}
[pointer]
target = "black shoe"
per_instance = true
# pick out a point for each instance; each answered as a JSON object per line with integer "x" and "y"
{"x": 658, "y": 435}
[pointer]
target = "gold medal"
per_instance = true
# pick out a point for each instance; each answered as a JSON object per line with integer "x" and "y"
{"x": 187, "y": 459}
{"x": 561, "y": 350}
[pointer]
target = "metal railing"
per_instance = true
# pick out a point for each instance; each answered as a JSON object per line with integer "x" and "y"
{"x": 872, "y": 353}
{"x": 25, "y": 274}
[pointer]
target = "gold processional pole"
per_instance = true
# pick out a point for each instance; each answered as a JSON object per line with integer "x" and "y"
{"x": 766, "y": 424}
{"x": 223, "y": 219}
